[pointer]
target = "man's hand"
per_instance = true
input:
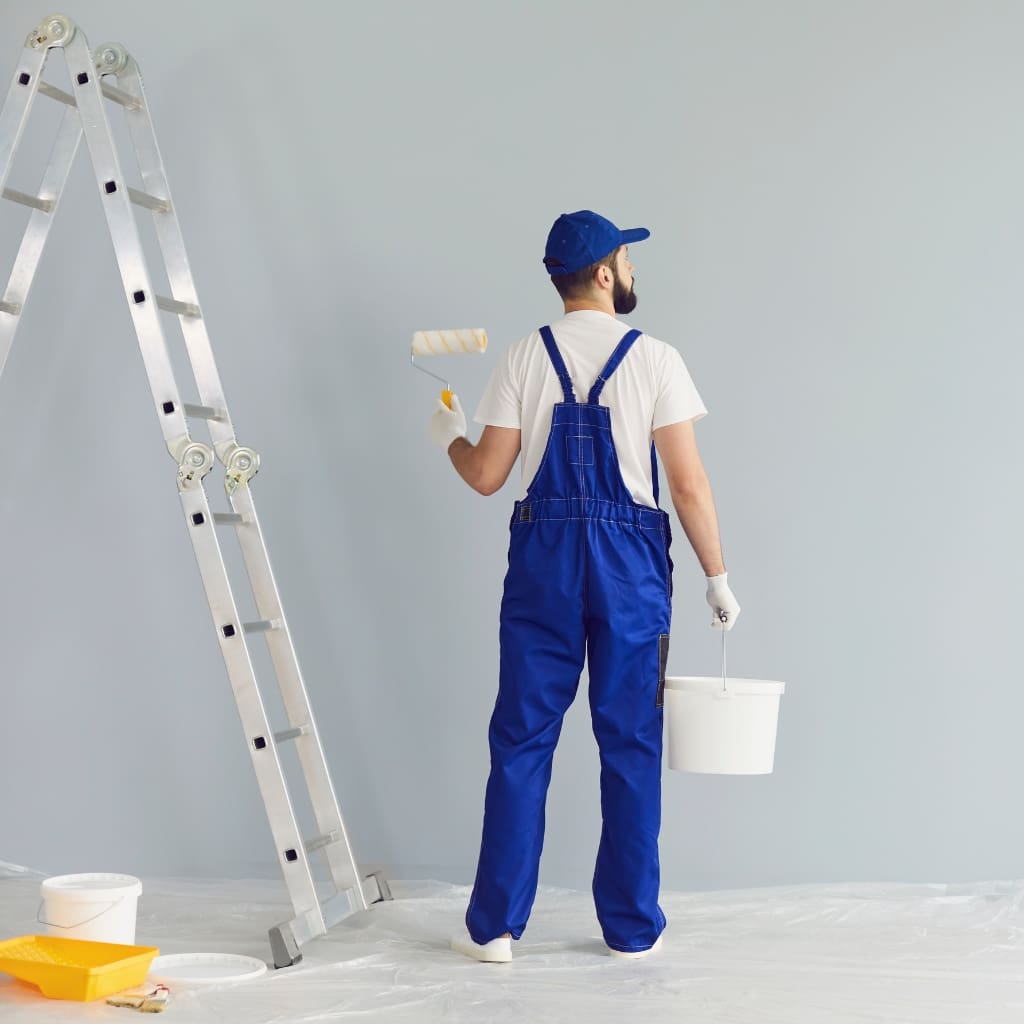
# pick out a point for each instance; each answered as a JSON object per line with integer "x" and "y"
{"x": 722, "y": 602}
{"x": 447, "y": 424}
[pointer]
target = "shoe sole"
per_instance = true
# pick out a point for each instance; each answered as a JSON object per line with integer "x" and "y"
{"x": 497, "y": 951}
{"x": 638, "y": 954}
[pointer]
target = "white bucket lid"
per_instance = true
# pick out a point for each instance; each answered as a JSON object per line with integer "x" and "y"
{"x": 96, "y": 886}
{"x": 205, "y": 968}
{"x": 712, "y": 684}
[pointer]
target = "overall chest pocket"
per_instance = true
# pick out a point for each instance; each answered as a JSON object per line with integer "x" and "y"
{"x": 580, "y": 449}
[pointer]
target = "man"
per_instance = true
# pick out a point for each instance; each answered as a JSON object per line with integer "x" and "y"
{"x": 586, "y": 401}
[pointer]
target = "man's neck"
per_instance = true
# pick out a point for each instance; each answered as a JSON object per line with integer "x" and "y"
{"x": 575, "y": 305}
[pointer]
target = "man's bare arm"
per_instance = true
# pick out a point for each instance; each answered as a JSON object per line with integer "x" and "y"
{"x": 691, "y": 493}
{"x": 485, "y": 466}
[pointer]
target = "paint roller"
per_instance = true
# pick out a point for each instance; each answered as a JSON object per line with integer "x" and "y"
{"x": 447, "y": 343}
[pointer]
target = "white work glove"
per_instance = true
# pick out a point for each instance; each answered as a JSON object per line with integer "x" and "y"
{"x": 447, "y": 424}
{"x": 721, "y": 599}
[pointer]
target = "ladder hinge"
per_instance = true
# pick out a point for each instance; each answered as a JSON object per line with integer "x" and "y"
{"x": 193, "y": 464}
{"x": 55, "y": 30}
{"x": 240, "y": 466}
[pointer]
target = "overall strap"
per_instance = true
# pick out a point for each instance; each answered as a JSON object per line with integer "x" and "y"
{"x": 613, "y": 364}
{"x": 602, "y": 378}
{"x": 559, "y": 364}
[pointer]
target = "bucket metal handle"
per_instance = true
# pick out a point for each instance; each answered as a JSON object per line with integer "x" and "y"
{"x": 67, "y": 927}
{"x": 723, "y": 617}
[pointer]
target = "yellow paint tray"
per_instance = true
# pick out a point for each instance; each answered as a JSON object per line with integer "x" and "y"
{"x": 75, "y": 968}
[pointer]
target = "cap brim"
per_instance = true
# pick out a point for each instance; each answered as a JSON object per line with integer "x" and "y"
{"x": 634, "y": 235}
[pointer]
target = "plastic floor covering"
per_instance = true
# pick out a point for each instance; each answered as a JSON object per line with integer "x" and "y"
{"x": 820, "y": 954}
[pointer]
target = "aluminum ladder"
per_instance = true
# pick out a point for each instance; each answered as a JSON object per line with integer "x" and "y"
{"x": 110, "y": 75}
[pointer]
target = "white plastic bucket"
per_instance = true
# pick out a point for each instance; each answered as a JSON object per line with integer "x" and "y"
{"x": 96, "y": 907}
{"x": 723, "y": 727}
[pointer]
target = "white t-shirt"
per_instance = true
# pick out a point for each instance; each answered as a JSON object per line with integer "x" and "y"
{"x": 651, "y": 388}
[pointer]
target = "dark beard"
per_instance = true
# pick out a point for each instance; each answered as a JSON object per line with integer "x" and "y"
{"x": 623, "y": 299}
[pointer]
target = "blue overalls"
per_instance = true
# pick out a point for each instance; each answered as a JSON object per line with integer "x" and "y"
{"x": 589, "y": 574}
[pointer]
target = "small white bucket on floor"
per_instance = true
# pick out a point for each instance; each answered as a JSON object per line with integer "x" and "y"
{"x": 722, "y": 726}
{"x": 96, "y": 907}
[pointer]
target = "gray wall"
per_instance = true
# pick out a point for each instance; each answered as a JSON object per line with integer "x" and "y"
{"x": 835, "y": 197}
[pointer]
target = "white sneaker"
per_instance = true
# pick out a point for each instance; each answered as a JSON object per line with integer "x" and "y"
{"x": 497, "y": 951}
{"x": 638, "y": 954}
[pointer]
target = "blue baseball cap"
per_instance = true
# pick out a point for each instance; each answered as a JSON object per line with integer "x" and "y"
{"x": 577, "y": 240}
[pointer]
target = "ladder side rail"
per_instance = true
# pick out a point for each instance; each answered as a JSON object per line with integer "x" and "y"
{"x": 172, "y": 246}
{"x": 345, "y": 871}
{"x": 344, "y": 868}
{"x": 284, "y": 826}
{"x": 18, "y": 105}
{"x": 37, "y": 230}
{"x": 128, "y": 249}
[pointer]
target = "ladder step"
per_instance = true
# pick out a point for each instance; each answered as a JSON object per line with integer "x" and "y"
{"x": 174, "y": 306}
{"x": 291, "y": 734}
{"x": 321, "y": 841}
{"x": 262, "y": 626}
{"x": 126, "y": 99}
{"x": 46, "y": 205}
{"x": 14, "y": 308}
{"x": 230, "y": 519}
{"x": 150, "y": 202}
{"x": 57, "y": 94}
{"x": 203, "y": 412}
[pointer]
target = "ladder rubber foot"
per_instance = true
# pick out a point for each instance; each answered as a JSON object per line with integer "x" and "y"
{"x": 284, "y": 947}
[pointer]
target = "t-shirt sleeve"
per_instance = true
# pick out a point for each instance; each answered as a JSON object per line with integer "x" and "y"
{"x": 677, "y": 397}
{"x": 501, "y": 404}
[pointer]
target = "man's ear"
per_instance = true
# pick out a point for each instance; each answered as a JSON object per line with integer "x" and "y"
{"x": 604, "y": 276}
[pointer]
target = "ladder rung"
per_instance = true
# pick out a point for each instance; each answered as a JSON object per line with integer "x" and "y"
{"x": 230, "y": 519}
{"x": 148, "y": 201}
{"x": 263, "y": 626}
{"x": 14, "y": 308}
{"x": 203, "y": 412}
{"x": 57, "y": 94}
{"x": 321, "y": 841}
{"x": 126, "y": 99}
{"x": 174, "y": 306}
{"x": 46, "y": 205}
{"x": 291, "y": 734}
